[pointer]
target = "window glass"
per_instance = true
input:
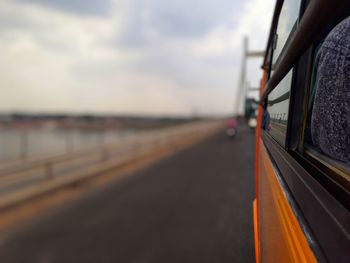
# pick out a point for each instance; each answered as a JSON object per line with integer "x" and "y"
{"x": 287, "y": 20}
{"x": 277, "y": 108}
{"x": 326, "y": 133}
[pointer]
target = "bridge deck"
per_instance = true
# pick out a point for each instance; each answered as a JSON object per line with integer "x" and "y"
{"x": 195, "y": 206}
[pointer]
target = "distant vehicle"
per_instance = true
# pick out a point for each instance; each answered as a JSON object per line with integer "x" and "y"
{"x": 231, "y": 127}
{"x": 252, "y": 122}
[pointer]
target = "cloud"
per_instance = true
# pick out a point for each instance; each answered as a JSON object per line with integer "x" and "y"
{"x": 145, "y": 21}
{"x": 79, "y": 7}
{"x": 127, "y": 56}
{"x": 184, "y": 18}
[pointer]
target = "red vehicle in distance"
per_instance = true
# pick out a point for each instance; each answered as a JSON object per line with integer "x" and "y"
{"x": 232, "y": 124}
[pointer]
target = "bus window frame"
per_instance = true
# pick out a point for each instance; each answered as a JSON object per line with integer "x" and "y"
{"x": 298, "y": 102}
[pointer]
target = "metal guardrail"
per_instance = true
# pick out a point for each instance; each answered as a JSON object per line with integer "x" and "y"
{"x": 145, "y": 141}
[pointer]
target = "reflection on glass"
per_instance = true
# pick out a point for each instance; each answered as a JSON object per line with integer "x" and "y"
{"x": 277, "y": 107}
{"x": 286, "y": 22}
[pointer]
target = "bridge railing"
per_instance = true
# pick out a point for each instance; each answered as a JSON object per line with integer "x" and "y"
{"x": 37, "y": 170}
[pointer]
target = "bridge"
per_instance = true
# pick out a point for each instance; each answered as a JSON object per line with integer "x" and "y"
{"x": 183, "y": 195}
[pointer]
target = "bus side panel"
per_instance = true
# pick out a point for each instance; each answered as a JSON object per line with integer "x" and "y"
{"x": 280, "y": 235}
{"x": 257, "y": 167}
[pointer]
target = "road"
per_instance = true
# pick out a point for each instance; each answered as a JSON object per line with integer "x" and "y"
{"x": 194, "y": 206}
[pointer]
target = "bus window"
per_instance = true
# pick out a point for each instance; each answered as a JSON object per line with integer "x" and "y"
{"x": 278, "y": 100}
{"x": 327, "y": 133}
{"x": 286, "y": 24}
{"x": 277, "y": 108}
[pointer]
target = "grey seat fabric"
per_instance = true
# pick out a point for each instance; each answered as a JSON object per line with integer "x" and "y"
{"x": 330, "y": 121}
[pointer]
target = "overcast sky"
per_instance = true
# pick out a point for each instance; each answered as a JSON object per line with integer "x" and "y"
{"x": 159, "y": 57}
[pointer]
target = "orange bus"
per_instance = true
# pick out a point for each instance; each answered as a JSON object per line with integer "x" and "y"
{"x": 301, "y": 209}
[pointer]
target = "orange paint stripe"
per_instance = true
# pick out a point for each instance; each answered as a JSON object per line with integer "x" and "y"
{"x": 256, "y": 231}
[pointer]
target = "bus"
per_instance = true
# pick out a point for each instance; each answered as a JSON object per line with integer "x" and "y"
{"x": 301, "y": 206}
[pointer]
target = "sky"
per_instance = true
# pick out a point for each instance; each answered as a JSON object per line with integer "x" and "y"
{"x": 148, "y": 57}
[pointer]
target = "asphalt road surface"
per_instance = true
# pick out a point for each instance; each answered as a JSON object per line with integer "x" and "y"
{"x": 195, "y": 206}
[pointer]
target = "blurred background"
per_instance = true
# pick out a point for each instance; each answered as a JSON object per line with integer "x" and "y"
{"x": 65, "y": 63}
{"x": 84, "y": 83}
